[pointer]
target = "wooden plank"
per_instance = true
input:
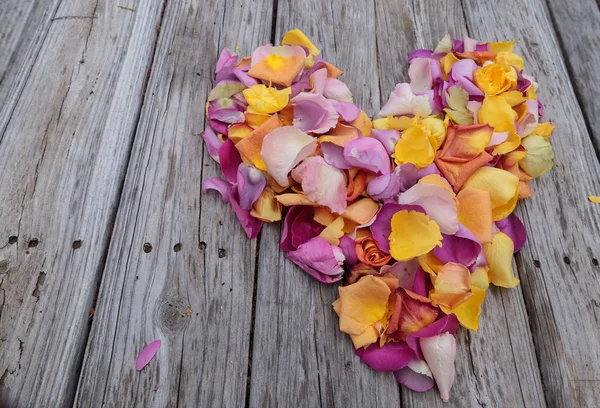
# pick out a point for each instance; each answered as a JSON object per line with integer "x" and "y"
{"x": 196, "y": 254}
{"x": 559, "y": 265}
{"x": 64, "y": 148}
{"x": 577, "y": 25}
{"x": 299, "y": 353}
{"x": 496, "y": 363}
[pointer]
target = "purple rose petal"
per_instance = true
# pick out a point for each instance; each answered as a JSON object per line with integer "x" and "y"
{"x": 230, "y": 160}
{"x": 319, "y": 259}
{"x": 513, "y": 227}
{"x": 368, "y": 153}
{"x": 389, "y": 357}
{"x": 250, "y": 184}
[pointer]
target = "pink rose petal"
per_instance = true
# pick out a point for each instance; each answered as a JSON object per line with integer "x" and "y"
{"x": 331, "y": 117}
{"x": 230, "y": 160}
{"x": 219, "y": 185}
{"x": 368, "y": 153}
{"x": 250, "y": 224}
{"x": 384, "y": 187}
{"x": 319, "y": 79}
{"x": 308, "y": 115}
{"x": 388, "y": 138}
{"x": 447, "y": 323}
{"x": 250, "y": 184}
{"x": 416, "y": 376}
{"x": 419, "y": 73}
{"x": 439, "y": 352}
{"x": 147, "y": 354}
{"x": 322, "y": 183}
{"x": 319, "y": 259}
{"x": 404, "y": 102}
{"x": 212, "y": 142}
{"x": 437, "y": 202}
{"x": 462, "y": 247}
{"x": 283, "y": 149}
{"x": 347, "y": 110}
{"x": 337, "y": 90}
{"x": 334, "y": 155}
{"x": 298, "y": 227}
{"x": 390, "y": 357}
{"x": 404, "y": 271}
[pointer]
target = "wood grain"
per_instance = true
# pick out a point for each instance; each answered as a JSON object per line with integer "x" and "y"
{"x": 64, "y": 144}
{"x": 559, "y": 265}
{"x": 200, "y": 260}
{"x": 496, "y": 363}
{"x": 577, "y": 25}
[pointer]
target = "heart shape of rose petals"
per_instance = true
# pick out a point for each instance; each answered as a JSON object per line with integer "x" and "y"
{"x": 412, "y": 211}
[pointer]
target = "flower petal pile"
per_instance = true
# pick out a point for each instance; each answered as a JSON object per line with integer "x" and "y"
{"x": 412, "y": 211}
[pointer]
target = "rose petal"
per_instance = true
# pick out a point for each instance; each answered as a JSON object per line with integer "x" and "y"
{"x": 499, "y": 255}
{"x": 416, "y": 376}
{"x": 514, "y": 228}
{"x": 389, "y": 357}
{"x": 388, "y": 138}
{"x": 298, "y": 227}
{"x": 212, "y": 142}
{"x": 439, "y": 353}
{"x": 367, "y": 153}
{"x": 147, "y": 354}
{"x": 348, "y": 247}
{"x": 403, "y": 101}
{"x": 219, "y": 185}
{"x": 337, "y": 90}
{"x": 404, "y": 271}
{"x": 382, "y": 227}
{"x": 334, "y": 155}
{"x": 447, "y": 323}
{"x": 250, "y": 184}
{"x": 384, "y": 187}
{"x": 322, "y": 183}
{"x": 251, "y": 145}
{"x": 279, "y": 65}
{"x": 308, "y": 115}
{"x": 319, "y": 259}
{"x": 347, "y": 111}
{"x": 283, "y": 149}
{"x": 250, "y": 224}
{"x": 437, "y": 202}
{"x": 463, "y": 247}
{"x": 230, "y": 160}
{"x": 318, "y": 79}
{"x": 419, "y": 73}
{"x": 331, "y": 117}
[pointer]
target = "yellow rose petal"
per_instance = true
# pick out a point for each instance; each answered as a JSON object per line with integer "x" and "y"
{"x": 266, "y": 100}
{"x": 506, "y": 46}
{"x": 509, "y": 58}
{"x": 594, "y": 199}
{"x": 502, "y": 186}
{"x": 543, "y": 129}
{"x": 494, "y": 79}
{"x": 499, "y": 254}
{"x": 413, "y": 234}
{"x": 297, "y": 37}
{"x": 415, "y": 146}
{"x": 496, "y": 112}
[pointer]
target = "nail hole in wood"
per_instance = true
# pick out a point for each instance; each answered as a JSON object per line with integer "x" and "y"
{"x": 147, "y": 248}
{"x": 33, "y": 243}
{"x": 567, "y": 260}
{"x": 536, "y": 263}
{"x": 222, "y": 252}
{"x": 77, "y": 244}
{"x": 202, "y": 245}
{"x": 177, "y": 247}
{"x": 12, "y": 239}
{"x": 595, "y": 262}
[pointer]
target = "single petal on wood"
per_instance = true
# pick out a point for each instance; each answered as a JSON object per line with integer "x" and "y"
{"x": 147, "y": 354}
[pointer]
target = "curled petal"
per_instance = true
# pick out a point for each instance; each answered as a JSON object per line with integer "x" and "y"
{"x": 319, "y": 259}
{"x": 297, "y": 37}
{"x": 219, "y": 185}
{"x": 250, "y": 224}
{"x": 337, "y": 90}
{"x": 348, "y": 247}
{"x": 369, "y": 154}
{"x": 322, "y": 183}
{"x": 386, "y": 358}
{"x": 318, "y": 79}
{"x": 212, "y": 142}
{"x": 416, "y": 376}
{"x": 448, "y": 323}
{"x": 250, "y": 184}
{"x": 298, "y": 227}
{"x": 499, "y": 255}
{"x": 230, "y": 160}
{"x": 439, "y": 352}
{"x": 283, "y": 149}
{"x": 266, "y": 208}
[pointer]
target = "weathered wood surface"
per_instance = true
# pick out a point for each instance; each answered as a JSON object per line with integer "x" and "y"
{"x": 559, "y": 265}
{"x": 179, "y": 267}
{"x": 200, "y": 257}
{"x": 65, "y": 135}
{"x": 577, "y": 25}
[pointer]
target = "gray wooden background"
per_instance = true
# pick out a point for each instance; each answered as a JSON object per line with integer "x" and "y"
{"x": 106, "y": 239}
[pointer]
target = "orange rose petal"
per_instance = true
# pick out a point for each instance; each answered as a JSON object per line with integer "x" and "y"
{"x": 452, "y": 286}
{"x": 324, "y": 216}
{"x": 333, "y": 71}
{"x": 363, "y": 123}
{"x": 356, "y": 186}
{"x": 266, "y": 208}
{"x": 368, "y": 252}
{"x": 333, "y": 232}
{"x": 254, "y": 120}
{"x": 475, "y": 212}
{"x": 238, "y": 131}
{"x": 361, "y": 211}
{"x": 340, "y": 135}
{"x": 286, "y": 115}
{"x": 278, "y": 69}
{"x": 290, "y": 199}
{"x": 250, "y": 146}
{"x": 458, "y": 173}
